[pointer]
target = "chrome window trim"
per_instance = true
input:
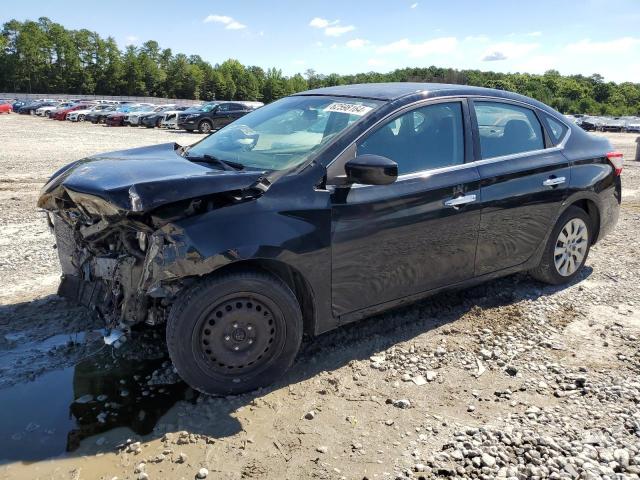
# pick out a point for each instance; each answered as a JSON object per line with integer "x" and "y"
{"x": 485, "y": 161}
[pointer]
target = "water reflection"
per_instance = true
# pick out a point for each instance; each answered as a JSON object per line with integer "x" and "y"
{"x": 52, "y": 414}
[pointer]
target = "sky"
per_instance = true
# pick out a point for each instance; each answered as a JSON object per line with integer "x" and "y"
{"x": 351, "y": 36}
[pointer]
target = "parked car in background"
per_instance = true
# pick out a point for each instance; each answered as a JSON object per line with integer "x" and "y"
{"x": 613, "y": 124}
{"x": 99, "y": 116}
{"x": 133, "y": 118}
{"x": 81, "y": 114}
{"x": 42, "y": 111}
{"x": 215, "y": 115}
{"x": 633, "y": 125}
{"x": 61, "y": 113}
{"x": 6, "y": 107}
{"x": 152, "y": 120}
{"x": 18, "y": 104}
{"x": 30, "y": 108}
{"x": 116, "y": 118}
{"x": 50, "y": 110}
{"x": 590, "y": 124}
{"x": 323, "y": 208}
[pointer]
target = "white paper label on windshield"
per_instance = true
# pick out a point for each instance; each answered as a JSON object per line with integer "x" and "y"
{"x": 349, "y": 108}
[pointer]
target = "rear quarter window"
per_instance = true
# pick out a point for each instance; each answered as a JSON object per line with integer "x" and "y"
{"x": 556, "y": 129}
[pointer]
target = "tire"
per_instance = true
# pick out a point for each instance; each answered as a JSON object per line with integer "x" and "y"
{"x": 575, "y": 225}
{"x": 233, "y": 333}
{"x": 205, "y": 126}
{"x": 80, "y": 118}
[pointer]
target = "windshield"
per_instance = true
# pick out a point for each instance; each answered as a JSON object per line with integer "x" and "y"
{"x": 285, "y": 133}
{"x": 207, "y": 107}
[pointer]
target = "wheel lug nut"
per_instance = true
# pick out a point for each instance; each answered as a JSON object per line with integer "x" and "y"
{"x": 250, "y": 341}
{"x": 249, "y": 327}
{"x": 235, "y": 325}
{"x": 236, "y": 348}
{"x": 227, "y": 338}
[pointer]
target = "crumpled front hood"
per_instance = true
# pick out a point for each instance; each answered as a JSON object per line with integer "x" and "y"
{"x": 154, "y": 175}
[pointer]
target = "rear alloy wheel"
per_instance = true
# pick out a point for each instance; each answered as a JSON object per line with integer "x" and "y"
{"x": 234, "y": 333}
{"x": 205, "y": 126}
{"x": 81, "y": 118}
{"x": 567, "y": 248}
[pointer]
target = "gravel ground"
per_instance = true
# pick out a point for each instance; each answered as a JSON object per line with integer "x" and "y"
{"x": 511, "y": 379}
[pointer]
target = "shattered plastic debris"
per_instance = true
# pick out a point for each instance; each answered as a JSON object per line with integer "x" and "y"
{"x": 115, "y": 338}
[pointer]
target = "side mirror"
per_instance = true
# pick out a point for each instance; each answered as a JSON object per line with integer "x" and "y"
{"x": 371, "y": 170}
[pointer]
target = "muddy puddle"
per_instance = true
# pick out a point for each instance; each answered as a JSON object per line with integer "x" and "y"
{"x": 50, "y": 415}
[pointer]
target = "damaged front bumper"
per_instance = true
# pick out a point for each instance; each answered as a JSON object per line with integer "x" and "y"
{"x": 133, "y": 279}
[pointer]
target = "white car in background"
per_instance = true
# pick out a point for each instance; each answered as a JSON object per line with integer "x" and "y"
{"x": 42, "y": 111}
{"x": 633, "y": 125}
{"x": 132, "y": 118}
{"x": 170, "y": 119}
{"x": 80, "y": 115}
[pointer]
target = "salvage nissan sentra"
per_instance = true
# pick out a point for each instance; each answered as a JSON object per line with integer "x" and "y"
{"x": 323, "y": 208}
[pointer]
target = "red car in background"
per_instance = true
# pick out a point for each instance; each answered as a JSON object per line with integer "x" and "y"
{"x": 62, "y": 114}
{"x": 5, "y": 108}
{"x": 115, "y": 119}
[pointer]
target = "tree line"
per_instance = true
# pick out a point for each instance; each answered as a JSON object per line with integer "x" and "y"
{"x": 44, "y": 57}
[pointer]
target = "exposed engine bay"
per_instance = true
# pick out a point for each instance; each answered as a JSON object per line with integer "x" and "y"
{"x": 120, "y": 250}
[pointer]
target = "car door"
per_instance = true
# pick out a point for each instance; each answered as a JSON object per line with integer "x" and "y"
{"x": 418, "y": 233}
{"x": 236, "y": 111}
{"x": 524, "y": 180}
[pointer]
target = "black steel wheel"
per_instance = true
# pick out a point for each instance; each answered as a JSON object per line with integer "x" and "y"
{"x": 234, "y": 333}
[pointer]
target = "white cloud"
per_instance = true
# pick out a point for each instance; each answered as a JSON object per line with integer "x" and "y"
{"x": 508, "y": 50}
{"x": 337, "y": 30}
{"x": 434, "y": 46}
{"x": 318, "y": 22}
{"x": 414, "y": 5}
{"x": 476, "y": 38}
{"x": 376, "y": 62}
{"x": 357, "y": 43}
{"x": 229, "y": 22}
{"x": 611, "y": 46}
{"x": 534, "y": 34}
{"x": 131, "y": 40}
{"x": 331, "y": 28}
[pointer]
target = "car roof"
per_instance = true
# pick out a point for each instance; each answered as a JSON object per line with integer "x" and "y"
{"x": 395, "y": 90}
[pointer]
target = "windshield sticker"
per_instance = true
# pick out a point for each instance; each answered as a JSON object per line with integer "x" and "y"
{"x": 349, "y": 108}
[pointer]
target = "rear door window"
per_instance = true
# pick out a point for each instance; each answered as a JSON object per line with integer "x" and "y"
{"x": 507, "y": 129}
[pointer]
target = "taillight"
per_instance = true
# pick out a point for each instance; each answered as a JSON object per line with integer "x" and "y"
{"x": 617, "y": 161}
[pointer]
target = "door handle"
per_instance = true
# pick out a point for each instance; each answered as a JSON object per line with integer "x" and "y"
{"x": 550, "y": 182}
{"x": 458, "y": 201}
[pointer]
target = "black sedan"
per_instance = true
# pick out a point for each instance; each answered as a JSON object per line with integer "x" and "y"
{"x": 214, "y": 115}
{"x": 30, "y": 108}
{"x": 323, "y": 208}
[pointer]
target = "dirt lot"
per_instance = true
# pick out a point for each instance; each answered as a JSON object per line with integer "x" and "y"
{"x": 511, "y": 379}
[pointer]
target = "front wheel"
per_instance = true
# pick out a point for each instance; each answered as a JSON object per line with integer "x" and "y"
{"x": 567, "y": 248}
{"x": 234, "y": 333}
{"x": 205, "y": 126}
